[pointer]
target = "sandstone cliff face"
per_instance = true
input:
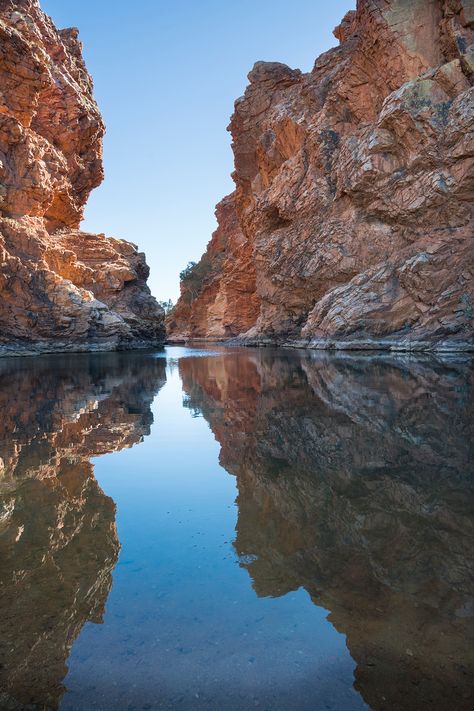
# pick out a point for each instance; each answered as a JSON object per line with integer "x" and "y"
{"x": 354, "y": 190}
{"x": 345, "y": 488}
{"x": 58, "y": 539}
{"x": 220, "y": 291}
{"x": 60, "y": 288}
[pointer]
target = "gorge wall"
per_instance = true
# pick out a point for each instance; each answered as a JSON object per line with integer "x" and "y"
{"x": 60, "y": 288}
{"x": 351, "y": 222}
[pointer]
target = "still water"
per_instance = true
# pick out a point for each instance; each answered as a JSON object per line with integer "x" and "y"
{"x": 236, "y": 529}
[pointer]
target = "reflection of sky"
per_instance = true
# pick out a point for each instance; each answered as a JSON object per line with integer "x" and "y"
{"x": 182, "y": 621}
{"x": 166, "y": 76}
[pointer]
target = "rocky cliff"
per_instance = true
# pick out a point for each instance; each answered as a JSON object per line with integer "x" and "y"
{"x": 345, "y": 488}
{"x": 351, "y": 223}
{"x": 60, "y": 288}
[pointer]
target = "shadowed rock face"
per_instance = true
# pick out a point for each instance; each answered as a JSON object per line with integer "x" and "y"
{"x": 354, "y": 191}
{"x": 60, "y": 288}
{"x": 355, "y": 481}
{"x": 58, "y": 540}
{"x": 227, "y": 305}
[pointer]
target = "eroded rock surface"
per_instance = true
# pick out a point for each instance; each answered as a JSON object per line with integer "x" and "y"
{"x": 60, "y": 288}
{"x": 58, "y": 539}
{"x": 220, "y": 290}
{"x": 346, "y": 488}
{"x": 354, "y": 191}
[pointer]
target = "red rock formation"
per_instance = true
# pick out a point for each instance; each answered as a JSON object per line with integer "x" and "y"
{"x": 218, "y": 299}
{"x": 60, "y": 289}
{"x": 354, "y": 188}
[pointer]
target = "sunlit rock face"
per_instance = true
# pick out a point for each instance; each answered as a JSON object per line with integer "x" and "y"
{"x": 58, "y": 540}
{"x": 354, "y": 190}
{"x": 346, "y": 488}
{"x": 60, "y": 288}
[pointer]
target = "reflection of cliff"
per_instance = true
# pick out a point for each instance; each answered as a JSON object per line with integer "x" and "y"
{"x": 355, "y": 481}
{"x": 58, "y": 541}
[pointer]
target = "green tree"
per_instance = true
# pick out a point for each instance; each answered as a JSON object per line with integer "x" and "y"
{"x": 187, "y": 271}
{"x": 167, "y": 306}
{"x": 194, "y": 277}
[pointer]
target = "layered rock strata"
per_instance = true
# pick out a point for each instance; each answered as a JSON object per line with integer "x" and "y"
{"x": 346, "y": 489}
{"x": 60, "y": 288}
{"x": 58, "y": 538}
{"x": 354, "y": 192}
{"x": 220, "y": 290}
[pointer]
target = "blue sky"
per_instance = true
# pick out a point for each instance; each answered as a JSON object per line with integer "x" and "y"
{"x": 166, "y": 74}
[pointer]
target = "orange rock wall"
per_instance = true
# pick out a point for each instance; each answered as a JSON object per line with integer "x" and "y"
{"x": 60, "y": 289}
{"x": 226, "y": 302}
{"x": 354, "y": 190}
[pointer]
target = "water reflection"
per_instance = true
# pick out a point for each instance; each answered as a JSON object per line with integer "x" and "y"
{"x": 58, "y": 539}
{"x": 355, "y": 480}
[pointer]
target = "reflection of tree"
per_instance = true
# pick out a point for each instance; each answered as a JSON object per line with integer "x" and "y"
{"x": 355, "y": 481}
{"x": 189, "y": 405}
{"x": 58, "y": 541}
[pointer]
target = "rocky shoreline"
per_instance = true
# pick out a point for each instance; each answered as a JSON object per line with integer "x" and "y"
{"x": 13, "y": 350}
{"x": 394, "y": 346}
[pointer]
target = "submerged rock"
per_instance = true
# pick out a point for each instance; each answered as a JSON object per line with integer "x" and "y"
{"x": 61, "y": 289}
{"x": 354, "y": 193}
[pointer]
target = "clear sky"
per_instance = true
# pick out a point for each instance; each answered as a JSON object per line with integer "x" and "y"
{"x": 166, "y": 74}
